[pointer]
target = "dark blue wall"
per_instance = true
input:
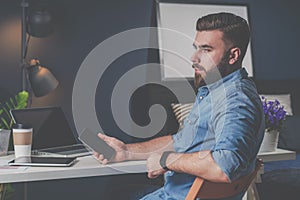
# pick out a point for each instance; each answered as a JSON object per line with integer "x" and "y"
{"x": 83, "y": 24}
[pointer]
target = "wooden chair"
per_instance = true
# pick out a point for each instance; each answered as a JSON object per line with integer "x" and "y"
{"x": 204, "y": 189}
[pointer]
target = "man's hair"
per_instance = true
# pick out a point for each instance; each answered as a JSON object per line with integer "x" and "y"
{"x": 235, "y": 29}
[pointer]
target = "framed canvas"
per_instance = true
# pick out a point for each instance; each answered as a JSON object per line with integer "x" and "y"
{"x": 176, "y": 32}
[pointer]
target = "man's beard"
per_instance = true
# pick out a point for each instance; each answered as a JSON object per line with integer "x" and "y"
{"x": 221, "y": 70}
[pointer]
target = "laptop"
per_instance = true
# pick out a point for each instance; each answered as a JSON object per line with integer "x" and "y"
{"x": 52, "y": 134}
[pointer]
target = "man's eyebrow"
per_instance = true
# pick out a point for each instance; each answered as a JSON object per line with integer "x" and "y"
{"x": 205, "y": 46}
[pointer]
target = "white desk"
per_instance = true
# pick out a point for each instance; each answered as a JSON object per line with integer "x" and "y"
{"x": 84, "y": 167}
{"x": 89, "y": 167}
{"x": 279, "y": 154}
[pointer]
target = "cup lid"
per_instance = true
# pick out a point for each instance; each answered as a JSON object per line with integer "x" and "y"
{"x": 20, "y": 126}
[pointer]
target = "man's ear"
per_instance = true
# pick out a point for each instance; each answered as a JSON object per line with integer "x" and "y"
{"x": 234, "y": 55}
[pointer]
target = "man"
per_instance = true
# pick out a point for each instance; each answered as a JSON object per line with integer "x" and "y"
{"x": 223, "y": 132}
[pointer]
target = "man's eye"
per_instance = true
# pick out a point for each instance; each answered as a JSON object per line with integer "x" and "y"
{"x": 205, "y": 50}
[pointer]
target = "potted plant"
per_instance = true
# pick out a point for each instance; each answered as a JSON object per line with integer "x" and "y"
{"x": 17, "y": 102}
{"x": 274, "y": 118}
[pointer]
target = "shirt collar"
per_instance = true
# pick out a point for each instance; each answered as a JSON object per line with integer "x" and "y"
{"x": 236, "y": 75}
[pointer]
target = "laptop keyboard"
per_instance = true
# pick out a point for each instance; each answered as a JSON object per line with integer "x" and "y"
{"x": 73, "y": 151}
{"x": 70, "y": 149}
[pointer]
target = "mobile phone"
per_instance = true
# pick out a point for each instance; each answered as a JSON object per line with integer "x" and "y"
{"x": 93, "y": 142}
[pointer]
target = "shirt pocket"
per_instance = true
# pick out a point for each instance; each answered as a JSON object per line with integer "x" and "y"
{"x": 191, "y": 120}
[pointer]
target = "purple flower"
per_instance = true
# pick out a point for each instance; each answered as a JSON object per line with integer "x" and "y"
{"x": 274, "y": 114}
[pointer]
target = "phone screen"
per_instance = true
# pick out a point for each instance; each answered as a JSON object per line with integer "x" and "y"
{"x": 96, "y": 144}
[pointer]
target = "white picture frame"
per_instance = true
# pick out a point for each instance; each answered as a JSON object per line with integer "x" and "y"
{"x": 176, "y": 31}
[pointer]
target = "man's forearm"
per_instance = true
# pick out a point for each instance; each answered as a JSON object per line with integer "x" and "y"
{"x": 200, "y": 164}
{"x": 142, "y": 150}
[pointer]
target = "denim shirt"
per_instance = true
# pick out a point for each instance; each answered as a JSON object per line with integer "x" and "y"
{"x": 227, "y": 119}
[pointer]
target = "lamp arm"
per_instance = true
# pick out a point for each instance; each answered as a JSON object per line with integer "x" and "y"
{"x": 24, "y": 76}
{"x": 24, "y": 44}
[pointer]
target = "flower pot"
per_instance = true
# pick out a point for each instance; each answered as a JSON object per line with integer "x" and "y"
{"x": 270, "y": 141}
{"x": 4, "y": 141}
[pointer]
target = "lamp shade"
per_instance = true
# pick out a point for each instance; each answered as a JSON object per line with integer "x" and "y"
{"x": 39, "y": 23}
{"x": 41, "y": 80}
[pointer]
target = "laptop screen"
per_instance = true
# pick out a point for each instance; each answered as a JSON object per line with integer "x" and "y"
{"x": 50, "y": 126}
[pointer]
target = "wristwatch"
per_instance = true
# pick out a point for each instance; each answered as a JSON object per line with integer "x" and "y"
{"x": 163, "y": 159}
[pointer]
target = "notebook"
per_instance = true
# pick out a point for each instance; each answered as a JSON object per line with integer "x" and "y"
{"x": 52, "y": 134}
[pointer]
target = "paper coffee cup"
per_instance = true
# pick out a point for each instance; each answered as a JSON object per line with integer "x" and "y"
{"x": 22, "y": 138}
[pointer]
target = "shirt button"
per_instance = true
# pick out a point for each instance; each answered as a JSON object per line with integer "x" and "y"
{"x": 201, "y": 97}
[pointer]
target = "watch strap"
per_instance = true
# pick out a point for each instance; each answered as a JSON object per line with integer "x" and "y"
{"x": 163, "y": 159}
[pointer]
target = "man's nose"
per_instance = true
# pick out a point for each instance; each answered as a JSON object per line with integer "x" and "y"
{"x": 195, "y": 57}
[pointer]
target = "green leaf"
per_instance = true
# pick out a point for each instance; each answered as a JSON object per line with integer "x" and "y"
{"x": 6, "y": 112}
{"x": 12, "y": 103}
{"x": 21, "y": 99}
{"x": 5, "y": 123}
{"x": 17, "y": 102}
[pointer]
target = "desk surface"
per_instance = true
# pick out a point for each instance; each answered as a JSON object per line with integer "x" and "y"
{"x": 84, "y": 167}
{"x": 88, "y": 167}
{"x": 279, "y": 154}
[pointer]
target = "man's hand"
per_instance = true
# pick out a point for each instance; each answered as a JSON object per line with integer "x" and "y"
{"x": 117, "y": 145}
{"x": 153, "y": 166}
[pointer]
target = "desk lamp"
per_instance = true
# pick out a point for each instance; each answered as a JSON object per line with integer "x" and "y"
{"x": 36, "y": 22}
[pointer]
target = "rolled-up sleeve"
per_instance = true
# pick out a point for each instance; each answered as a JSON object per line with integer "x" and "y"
{"x": 237, "y": 135}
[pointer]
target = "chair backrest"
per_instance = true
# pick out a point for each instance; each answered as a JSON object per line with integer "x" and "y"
{"x": 205, "y": 189}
